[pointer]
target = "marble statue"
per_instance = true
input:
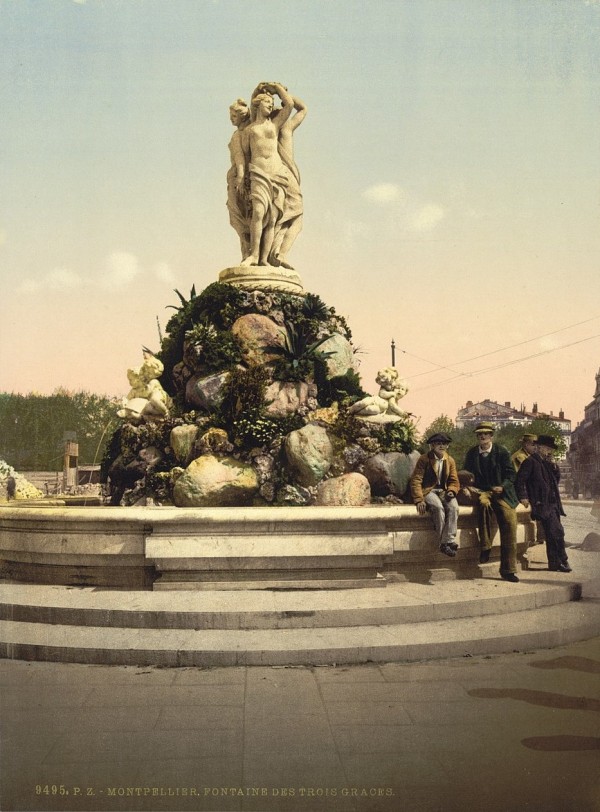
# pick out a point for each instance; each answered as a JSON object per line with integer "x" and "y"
{"x": 385, "y": 403}
{"x": 264, "y": 198}
{"x": 237, "y": 197}
{"x": 146, "y": 400}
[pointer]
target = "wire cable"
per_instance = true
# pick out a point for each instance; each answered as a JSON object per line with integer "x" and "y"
{"x": 492, "y": 352}
{"x": 507, "y": 363}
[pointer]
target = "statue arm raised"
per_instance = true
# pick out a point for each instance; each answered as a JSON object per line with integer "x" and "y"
{"x": 287, "y": 101}
{"x": 299, "y": 116}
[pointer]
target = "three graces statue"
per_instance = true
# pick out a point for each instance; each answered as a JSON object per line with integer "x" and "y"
{"x": 263, "y": 182}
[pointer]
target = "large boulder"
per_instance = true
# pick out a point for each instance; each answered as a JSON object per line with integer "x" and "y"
{"x": 209, "y": 481}
{"x": 389, "y": 472}
{"x": 205, "y": 391}
{"x": 255, "y": 334}
{"x": 182, "y": 439}
{"x": 348, "y": 489}
{"x": 342, "y": 356}
{"x": 286, "y": 397}
{"x": 309, "y": 453}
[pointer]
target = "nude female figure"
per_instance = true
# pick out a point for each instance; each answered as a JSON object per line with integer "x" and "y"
{"x": 269, "y": 176}
{"x": 291, "y": 223}
{"x": 237, "y": 203}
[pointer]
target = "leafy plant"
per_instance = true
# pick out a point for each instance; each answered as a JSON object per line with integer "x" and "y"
{"x": 215, "y": 350}
{"x": 184, "y": 302}
{"x": 295, "y": 359}
{"x": 244, "y": 394}
{"x": 314, "y": 308}
{"x": 398, "y": 436}
{"x": 218, "y": 304}
{"x": 344, "y": 389}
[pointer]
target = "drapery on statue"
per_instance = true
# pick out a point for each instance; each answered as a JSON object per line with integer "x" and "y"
{"x": 263, "y": 183}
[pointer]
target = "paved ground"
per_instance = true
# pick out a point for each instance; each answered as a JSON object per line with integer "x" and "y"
{"x": 504, "y": 733}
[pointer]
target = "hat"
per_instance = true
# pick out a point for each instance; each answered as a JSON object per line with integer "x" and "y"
{"x": 485, "y": 427}
{"x": 439, "y": 438}
{"x": 547, "y": 440}
{"x": 529, "y": 438}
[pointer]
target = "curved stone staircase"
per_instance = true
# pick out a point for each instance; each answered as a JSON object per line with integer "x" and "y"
{"x": 405, "y": 621}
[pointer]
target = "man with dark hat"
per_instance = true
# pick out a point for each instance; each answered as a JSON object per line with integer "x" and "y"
{"x": 434, "y": 485}
{"x": 494, "y": 485}
{"x": 528, "y": 447}
{"x": 537, "y": 485}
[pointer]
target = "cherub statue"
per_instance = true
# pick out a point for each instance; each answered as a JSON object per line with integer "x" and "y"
{"x": 392, "y": 389}
{"x": 147, "y": 400}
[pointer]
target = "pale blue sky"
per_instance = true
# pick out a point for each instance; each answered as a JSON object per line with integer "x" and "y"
{"x": 450, "y": 162}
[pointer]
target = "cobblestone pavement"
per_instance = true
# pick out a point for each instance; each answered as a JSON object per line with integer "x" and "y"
{"x": 579, "y": 521}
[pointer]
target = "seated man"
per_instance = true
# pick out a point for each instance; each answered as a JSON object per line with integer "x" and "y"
{"x": 494, "y": 486}
{"x": 434, "y": 485}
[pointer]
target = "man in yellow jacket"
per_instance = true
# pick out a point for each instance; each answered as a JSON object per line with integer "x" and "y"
{"x": 434, "y": 485}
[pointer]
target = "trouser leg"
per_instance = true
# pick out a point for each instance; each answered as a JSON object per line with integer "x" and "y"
{"x": 437, "y": 513}
{"x": 540, "y": 533}
{"x": 507, "y": 523}
{"x": 555, "y": 539}
{"x": 484, "y": 520}
{"x": 451, "y": 524}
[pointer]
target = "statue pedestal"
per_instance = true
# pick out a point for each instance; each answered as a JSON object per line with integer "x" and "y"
{"x": 263, "y": 277}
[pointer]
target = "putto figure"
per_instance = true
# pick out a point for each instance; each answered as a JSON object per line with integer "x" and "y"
{"x": 392, "y": 389}
{"x": 264, "y": 198}
{"x": 147, "y": 400}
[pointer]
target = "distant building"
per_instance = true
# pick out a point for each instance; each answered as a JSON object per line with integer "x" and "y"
{"x": 506, "y": 415}
{"x": 584, "y": 452}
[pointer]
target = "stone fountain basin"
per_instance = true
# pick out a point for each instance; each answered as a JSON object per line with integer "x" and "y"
{"x": 233, "y": 548}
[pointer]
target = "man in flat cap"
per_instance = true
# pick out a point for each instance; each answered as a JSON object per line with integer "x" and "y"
{"x": 434, "y": 485}
{"x": 528, "y": 447}
{"x": 537, "y": 485}
{"x": 494, "y": 485}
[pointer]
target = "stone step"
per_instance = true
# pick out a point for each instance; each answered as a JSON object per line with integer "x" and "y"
{"x": 397, "y": 603}
{"x": 525, "y": 630}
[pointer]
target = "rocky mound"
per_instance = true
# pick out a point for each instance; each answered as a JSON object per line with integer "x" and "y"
{"x": 258, "y": 387}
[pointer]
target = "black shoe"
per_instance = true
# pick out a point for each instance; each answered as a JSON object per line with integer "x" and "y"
{"x": 453, "y": 545}
{"x": 447, "y": 550}
{"x": 484, "y": 556}
{"x": 561, "y": 568}
{"x": 509, "y": 576}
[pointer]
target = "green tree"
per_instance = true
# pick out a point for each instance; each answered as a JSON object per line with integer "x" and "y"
{"x": 33, "y": 427}
{"x": 442, "y": 424}
{"x": 508, "y": 436}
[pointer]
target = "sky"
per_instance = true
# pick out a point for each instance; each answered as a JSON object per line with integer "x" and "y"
{"x": 450, "y": 164}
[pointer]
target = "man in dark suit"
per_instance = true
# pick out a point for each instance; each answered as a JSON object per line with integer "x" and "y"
{"x": 527, "y": 448}
{"x": 434, "y": 485}
{"x": 494, "y": 487}
{"x": 537, "y": 485}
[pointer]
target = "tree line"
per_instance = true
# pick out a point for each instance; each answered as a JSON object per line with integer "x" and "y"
{"x": 33, "y": 427}
{"x": 508, "y": 436}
